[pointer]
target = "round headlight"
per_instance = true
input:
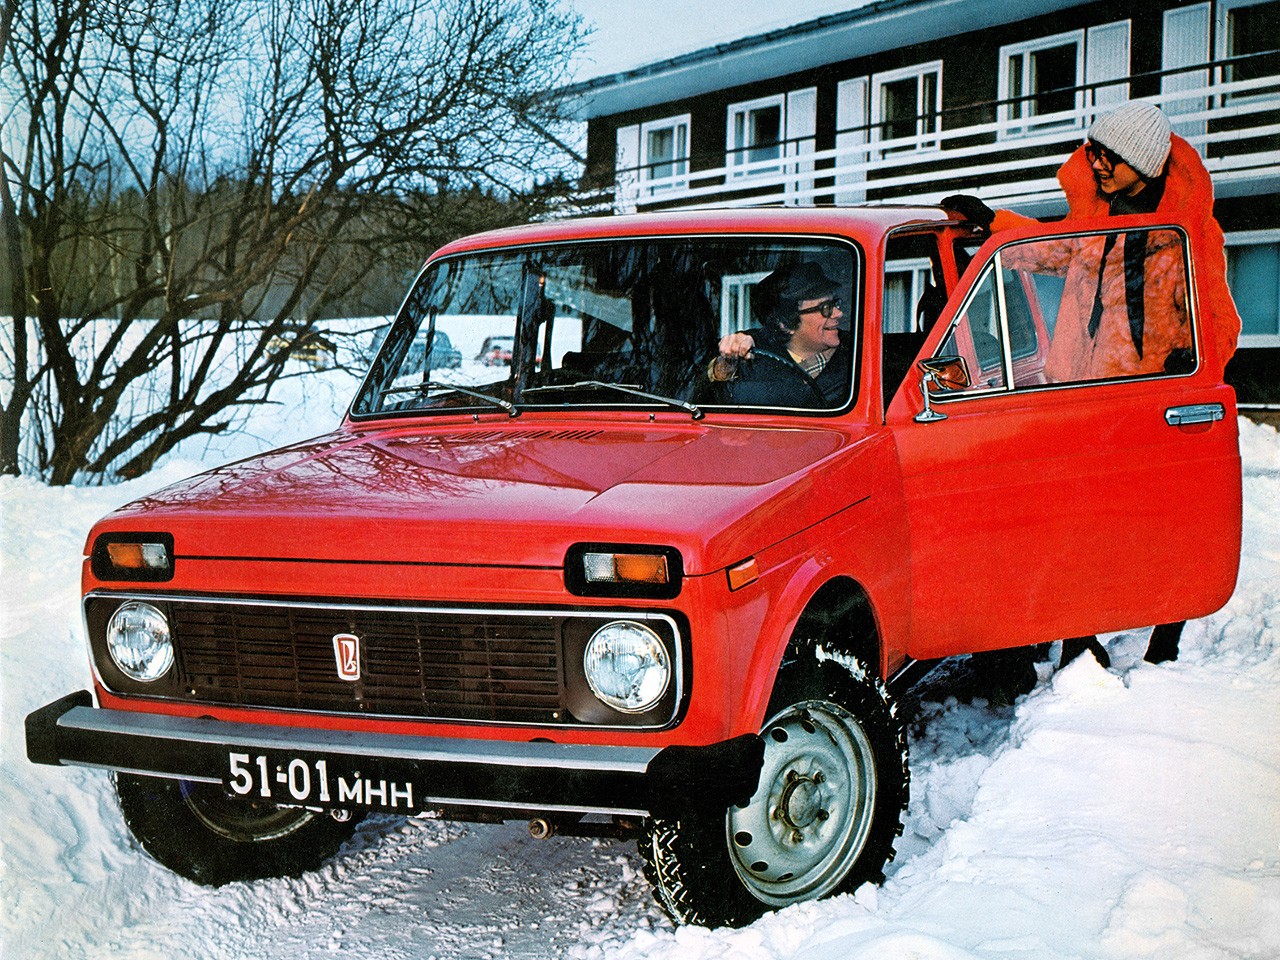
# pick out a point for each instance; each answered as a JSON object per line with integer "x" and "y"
{"x": 627, "y": 666}
{"x": 139, "y": 642}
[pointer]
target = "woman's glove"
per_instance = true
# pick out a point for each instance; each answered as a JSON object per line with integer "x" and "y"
{"x": 970, "y": 208}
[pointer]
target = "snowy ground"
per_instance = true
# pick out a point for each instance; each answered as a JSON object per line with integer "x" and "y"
{"x": 1124, "y": 814}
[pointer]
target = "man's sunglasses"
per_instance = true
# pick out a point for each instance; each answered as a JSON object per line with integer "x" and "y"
{"x": 1095, "y": 152}
{"x": 826, "y": 307}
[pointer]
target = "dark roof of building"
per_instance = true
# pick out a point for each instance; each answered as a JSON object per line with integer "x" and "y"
{"x": 878, "y": 26}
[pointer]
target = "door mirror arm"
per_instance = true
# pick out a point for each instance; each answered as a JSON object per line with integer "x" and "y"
{"x": 940, "y": 373}
{"x": 928, "y": 414}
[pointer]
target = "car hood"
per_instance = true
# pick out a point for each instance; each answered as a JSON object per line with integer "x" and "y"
{"x": 514, "y": 495}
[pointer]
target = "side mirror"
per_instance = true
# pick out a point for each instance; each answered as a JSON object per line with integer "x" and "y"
{"x": 940, "y": 373}
{"x": 949, "y": 373}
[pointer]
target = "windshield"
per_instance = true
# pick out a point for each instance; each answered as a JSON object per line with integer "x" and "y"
{"x": 627, "y": 323}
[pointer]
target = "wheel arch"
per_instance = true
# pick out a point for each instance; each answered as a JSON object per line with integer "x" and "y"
{"x": 797, "y": 839}
{"x": 841, "y": 616}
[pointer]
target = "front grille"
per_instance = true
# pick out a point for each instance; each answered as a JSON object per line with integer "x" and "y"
{"x": 459, "y": 665}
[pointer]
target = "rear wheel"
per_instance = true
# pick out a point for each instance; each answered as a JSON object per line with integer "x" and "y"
{"x": 198, "y": 832}
{"x": 824, "y": 816}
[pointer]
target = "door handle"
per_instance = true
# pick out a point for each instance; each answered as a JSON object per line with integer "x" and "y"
{"x": 1194, "y": 413}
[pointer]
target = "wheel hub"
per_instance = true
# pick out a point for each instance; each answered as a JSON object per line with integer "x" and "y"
{"x": 802, "y": 800}
{"x": 811, "y": 814}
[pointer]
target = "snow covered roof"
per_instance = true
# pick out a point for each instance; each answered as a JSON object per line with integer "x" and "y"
{"x": 882, "y": 25}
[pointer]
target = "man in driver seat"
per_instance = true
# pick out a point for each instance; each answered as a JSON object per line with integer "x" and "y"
{"x": 799, "y": 356}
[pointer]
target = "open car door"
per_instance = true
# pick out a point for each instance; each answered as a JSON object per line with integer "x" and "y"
{"x": 1048, "y": 499}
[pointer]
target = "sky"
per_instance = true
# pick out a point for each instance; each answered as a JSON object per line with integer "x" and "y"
{"x": 628, "y": 33}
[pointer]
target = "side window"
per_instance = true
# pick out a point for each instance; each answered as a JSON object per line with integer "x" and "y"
{"x": 1075, "y": 309}
{"x": 914, "y": 295}
{"x": 976, "y": 338}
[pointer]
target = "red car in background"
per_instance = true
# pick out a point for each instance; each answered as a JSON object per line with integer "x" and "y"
{"x": 599, "y": 591}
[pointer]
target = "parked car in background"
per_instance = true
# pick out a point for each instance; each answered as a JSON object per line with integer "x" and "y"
{"x": 496, "y": 351}
{"x": 312, "y": 348}
{"x": 444, "y": 356}
{"x": 601, "y": 592}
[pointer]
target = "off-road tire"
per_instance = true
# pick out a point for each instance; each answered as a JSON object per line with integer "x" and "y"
{"x": 198, "y": 833}
{"x": 832, "y": 794}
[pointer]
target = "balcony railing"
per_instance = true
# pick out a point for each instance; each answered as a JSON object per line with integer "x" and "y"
{"x": 989, "y": 148}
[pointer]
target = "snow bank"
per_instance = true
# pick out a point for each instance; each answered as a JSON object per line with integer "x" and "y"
{"x": 1108, "y": 814}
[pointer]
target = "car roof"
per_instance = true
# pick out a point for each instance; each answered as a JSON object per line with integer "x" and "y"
{"x": 866, "y": 224}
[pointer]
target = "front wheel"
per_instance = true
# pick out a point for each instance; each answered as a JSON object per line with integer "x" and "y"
{"x": 824, "y": 816}
{"x": 198, "y": 832}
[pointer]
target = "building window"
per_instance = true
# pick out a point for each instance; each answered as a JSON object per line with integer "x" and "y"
{"x": 1253, "y": 274}
{"x": 905, "y": 105}
{"x": 664, "y": 154}
{"x": 735, "y": 301}
{"x": 1248, "y": 29}
{"x": 905, "y": 283}
{"x": 755, "y": 136}
{"x": 1037, "y": 79}
{"x": 1184, "y": 50}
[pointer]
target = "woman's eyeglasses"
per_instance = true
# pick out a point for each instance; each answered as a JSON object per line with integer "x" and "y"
{"x": 826, "y": 307}
{"x": 1097, "y": 153}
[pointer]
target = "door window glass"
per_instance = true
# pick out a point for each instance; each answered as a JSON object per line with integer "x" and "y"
{"x": 975, "y": 337}
{"x": 1076, "y": 309}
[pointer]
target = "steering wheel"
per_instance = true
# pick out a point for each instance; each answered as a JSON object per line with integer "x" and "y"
{"x": 793, "y": 375}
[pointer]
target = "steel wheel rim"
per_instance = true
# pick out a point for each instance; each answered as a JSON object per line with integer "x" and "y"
{"x": 810, "y": 817}
{"x": 239, "y": 821}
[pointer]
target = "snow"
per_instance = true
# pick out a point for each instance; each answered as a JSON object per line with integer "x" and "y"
{"x": 1127, "y": 813}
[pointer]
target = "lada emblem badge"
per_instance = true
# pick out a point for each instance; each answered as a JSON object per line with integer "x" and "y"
{"x": 346, "y": 654}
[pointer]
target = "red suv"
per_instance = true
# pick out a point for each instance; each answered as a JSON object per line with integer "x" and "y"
{"x": 605, "y": 590}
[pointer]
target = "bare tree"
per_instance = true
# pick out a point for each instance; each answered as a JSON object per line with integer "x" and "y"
{"x": 189, "y": 183}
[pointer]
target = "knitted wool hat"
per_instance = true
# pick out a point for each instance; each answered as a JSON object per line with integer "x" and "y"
{"x": 1138, "y": 133}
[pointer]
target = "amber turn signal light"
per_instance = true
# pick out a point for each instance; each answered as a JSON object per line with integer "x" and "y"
{"x": 133, "y": 556}
{"x": 745, "y": 573}
{"x": 623, "y": 570}
{"x": 138, "y": 556}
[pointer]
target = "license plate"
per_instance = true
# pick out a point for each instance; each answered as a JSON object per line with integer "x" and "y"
{"x": 326, "y": 782}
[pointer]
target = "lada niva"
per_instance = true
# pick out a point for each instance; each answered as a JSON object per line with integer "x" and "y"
{"x": 621, "y": 584}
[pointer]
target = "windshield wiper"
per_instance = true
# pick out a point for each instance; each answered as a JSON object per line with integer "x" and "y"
{"x": 511, "y": 409}
{"x": 689, "y": 408}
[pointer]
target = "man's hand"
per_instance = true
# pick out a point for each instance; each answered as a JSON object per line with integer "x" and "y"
{"x": 734, "y": 347}
{"x": 738, "y": 345}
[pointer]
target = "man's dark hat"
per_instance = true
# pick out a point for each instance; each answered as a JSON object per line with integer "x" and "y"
{"x": 778, "y": 295}
{"x": 803, "y": 281}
